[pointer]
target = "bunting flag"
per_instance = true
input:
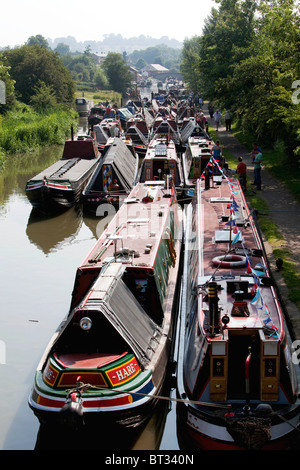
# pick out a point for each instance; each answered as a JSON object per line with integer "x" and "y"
{"x": 231, "y": 223}
{"x": 235, "y": 206}
{"x": 268, "y": 322}
{"x": 254, "y": 287}
{"x": 236, "y": 238}
{"x": 249, "y": 269}
{"x": 256, "y": 297}
{"x": 258, "y": 273}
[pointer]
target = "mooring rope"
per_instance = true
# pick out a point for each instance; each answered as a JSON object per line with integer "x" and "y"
{"x": 84, "y": 387}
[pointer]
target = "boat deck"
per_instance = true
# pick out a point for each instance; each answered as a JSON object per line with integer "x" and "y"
{"x": 244, "y": 291}
{"x": 136, "y": 230}
{"x": 195, "y": 158}
{"x": 62, "y": 170}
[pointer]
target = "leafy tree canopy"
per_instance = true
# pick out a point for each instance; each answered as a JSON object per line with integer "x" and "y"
{"x": 30, "y": 65}
{"x": 117, "y": 72}
{"x": 248, "y": 60}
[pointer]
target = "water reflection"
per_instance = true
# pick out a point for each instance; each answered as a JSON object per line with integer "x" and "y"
{"x": 39, "y": 257}
{"x": 49, "y": 233}
{"x": 19, "y": 168}
{"x": 101, "y": 437}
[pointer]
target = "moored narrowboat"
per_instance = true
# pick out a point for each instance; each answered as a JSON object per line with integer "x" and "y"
{"x": 162, "y": 162}
{"x": 108, "y": 360}
{"x": 114, "y": 176}
{"x": 237, "y": 378}
{"x": 109, "y": 127}
{"x": 195, "y": 160}
{"x": 60, "y": 186}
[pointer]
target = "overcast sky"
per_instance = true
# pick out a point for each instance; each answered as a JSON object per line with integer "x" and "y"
{"x": 90, "y": 20}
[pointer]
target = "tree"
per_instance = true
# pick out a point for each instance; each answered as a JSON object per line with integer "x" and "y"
{"x": 62, "y": 49}
{"x": 100, "y": 79}
{"x": 30, "y": 65}
{"x": 188, "y": 67}
{"x": 7, "y": 89}
{"x": 262, "y": 83}
{"x": 117, "y": 72}
{"x": 37, "y": 40}
{"x": 43, "y": 100}
{"x": 226, "y": 38}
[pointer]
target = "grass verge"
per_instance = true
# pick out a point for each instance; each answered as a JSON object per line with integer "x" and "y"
{"x": 23, "y": 129}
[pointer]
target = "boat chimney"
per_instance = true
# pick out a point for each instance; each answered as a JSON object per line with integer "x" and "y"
{"x": 206, "y": 178}
{"x": 213, "y": 308}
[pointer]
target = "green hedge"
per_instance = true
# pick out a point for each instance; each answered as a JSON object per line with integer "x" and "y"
{"x": 23, "y": 130}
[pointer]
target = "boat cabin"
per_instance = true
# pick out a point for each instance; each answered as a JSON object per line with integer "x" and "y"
{"x": 135, "y": 238}
{"x": 114, "y": 176}
{"x": 106, "y": 129}
{"x": 162, "y": 162}
{"x": 83, "y": 106}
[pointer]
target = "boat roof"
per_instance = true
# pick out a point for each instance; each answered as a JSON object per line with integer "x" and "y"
{"x": 80, "y": 149}
{"x": 111, "y": 297}
{"x": 160, "y": 147}
{"x": 192, "y": 128}
{"x": 74, "y": 167}
{"x": 200, "y": 146}
{"x": 134, "y": 233}
{"x": 227, "y": 228}
{"x": 122, "y": 160}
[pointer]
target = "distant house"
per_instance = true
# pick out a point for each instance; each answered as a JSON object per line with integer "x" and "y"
{"x": 135, "y": 73}
{"x": 155, "y": 70}
{"x": 99, "y": 57}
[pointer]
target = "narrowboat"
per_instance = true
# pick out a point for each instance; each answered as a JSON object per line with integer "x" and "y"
{"x": 165, "y": 125}
{"x": 162, "y": 162}
{"x": 102, "y": 132}
{"x": 191, "y": 128}
{"x": 96, "y": 114}
{"x": 195, "y": 160}
{"x": 108, "y": 360}
{"x": 60, "y": 186}
{"x": 114, "y": 176}
{"x": 137, "y": 129}
{"x": 237, "y": 377}
{"x": 83, "y": 106}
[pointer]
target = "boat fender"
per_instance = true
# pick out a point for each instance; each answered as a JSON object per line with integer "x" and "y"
{"x": 71, "y": 413}
{"x": 229, "y": 261}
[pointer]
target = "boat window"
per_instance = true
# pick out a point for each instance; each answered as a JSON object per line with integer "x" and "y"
{"x": 102, "y": 337}
{"x": 145, "y": 291}
{"x": 141, "y": 291}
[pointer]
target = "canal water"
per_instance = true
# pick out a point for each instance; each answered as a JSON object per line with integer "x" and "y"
{"x": 39, "y": 258}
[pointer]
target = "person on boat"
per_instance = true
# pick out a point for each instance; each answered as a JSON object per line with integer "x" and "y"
{"x": 217, "y": 118}
{"x": 217, "y": 152}
{"x": 116, "y": 131}
{"x": 108, "y": 110}
{"x": 241, "y": 170}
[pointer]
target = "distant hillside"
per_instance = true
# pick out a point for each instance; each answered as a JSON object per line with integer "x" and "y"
{"x": 115, "y": 43}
